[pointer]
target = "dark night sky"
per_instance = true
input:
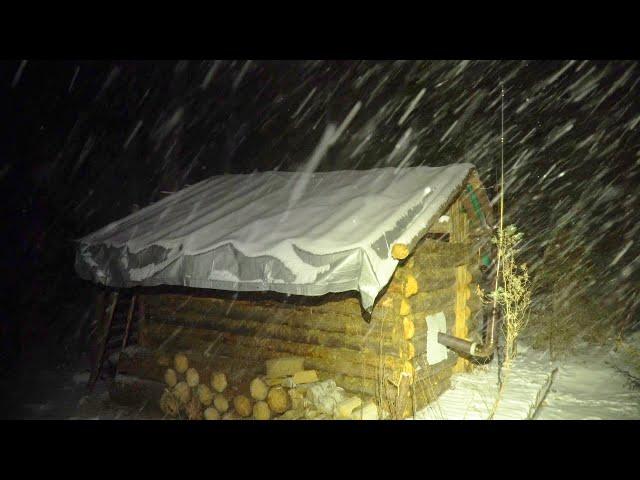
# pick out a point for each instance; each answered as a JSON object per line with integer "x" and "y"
{"x": 85, "y": 140}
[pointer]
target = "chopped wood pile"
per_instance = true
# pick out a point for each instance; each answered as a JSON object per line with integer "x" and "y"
{"x": 286, "y": 392}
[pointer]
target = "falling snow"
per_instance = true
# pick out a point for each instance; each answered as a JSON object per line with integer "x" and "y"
{"x": 105, "y": 137}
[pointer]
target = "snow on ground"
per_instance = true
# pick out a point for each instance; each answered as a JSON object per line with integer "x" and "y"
{"x": 46, "y": 392}
{"x": 474, "y": 396}
{"x": 595, "y": 383}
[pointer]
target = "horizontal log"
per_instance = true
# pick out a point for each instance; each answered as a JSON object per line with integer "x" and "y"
{"x": 218, "y": 329}
{"x": 419, "y": 319}
{"x": 332, "y": 365}
{"x": 251, "y": 320}
{"x": 385, "y": 311}
{"x": 225, "y": 344}
{"x": 373, "y": 387}
{"x": 357, "y": 385}
{"x": 332, "y": 303}
{"x": 431, "y": 278}
{"x": 390, "y": 328}
{"x": 440, "y": 261}
{"x": 350, "y": 320}
{"x": 430, "y": 246}
{"x": 426, "y": 282}
{"x": 440, "y": 227}
{"x": 423, "y": 369}
{"x": 393, "y": 306}
{"x": 310, "y": 317}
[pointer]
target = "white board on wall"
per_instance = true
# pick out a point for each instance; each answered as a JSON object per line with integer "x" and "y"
{"x": 436, "y": 352}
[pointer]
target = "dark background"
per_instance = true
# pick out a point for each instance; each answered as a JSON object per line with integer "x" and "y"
{"x": 85, "y": 141}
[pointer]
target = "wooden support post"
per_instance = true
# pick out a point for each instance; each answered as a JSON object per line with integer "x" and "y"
{"x": 100, "y": 305}
{"x": 129, "y": 318}
{"x": 142, "y": 320}
{"x": 103, "y": 328}
{"x": 128, "y": 327}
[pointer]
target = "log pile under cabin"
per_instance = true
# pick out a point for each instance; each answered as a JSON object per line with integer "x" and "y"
{"x": 381, "y": 363}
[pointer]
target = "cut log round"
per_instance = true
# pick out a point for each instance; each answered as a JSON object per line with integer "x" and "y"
{"x": 400, "y": 251}
{"x": 171, "y": 377}
{"x": 221, "y": 403}
{"x": 278, "y": 400}
{"x": 218, "y": 381}
{"x": 242, "y": 405}
{"x": 410, "y": 286}
{"x": 193, "y": 378}
{"x": 211, "y": 414}
{"x": 261, "y": 411}
{"x": 181, "y": 362}
{"x": 169, "y": 404}
{"x": 408, "y": 327}
{"x": 405, "y": 308}
{"x": 205, "y": 395}
{"x": 182, "y": 392}
{"x": 258, "y": 389}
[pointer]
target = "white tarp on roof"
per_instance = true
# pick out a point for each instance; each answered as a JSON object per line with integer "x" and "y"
{"x": 253, "y": 233}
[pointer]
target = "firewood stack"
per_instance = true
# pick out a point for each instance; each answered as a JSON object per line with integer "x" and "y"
{"x": 286, "y": 392}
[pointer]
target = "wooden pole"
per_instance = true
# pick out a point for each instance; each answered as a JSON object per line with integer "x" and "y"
{"x": 129, "y": 318}
{"x": 102, "y": 342}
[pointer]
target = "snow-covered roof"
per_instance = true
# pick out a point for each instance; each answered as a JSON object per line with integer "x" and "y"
{"x": 290, "y": 232}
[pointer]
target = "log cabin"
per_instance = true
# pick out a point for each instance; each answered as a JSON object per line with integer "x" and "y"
{"x": 355, "y": 271}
